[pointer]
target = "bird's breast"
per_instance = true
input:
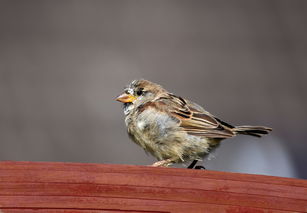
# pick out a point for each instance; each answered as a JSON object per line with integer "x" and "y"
{"x": 151, "y": 129}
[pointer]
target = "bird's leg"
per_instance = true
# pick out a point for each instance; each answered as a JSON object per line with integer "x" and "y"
{"x": 192, "y": 164}
{"x": 163, "y": 163}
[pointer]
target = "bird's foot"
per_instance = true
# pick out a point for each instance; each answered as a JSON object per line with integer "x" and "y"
{"x": 200, "y": 167}
{"x": 191, "y": 166}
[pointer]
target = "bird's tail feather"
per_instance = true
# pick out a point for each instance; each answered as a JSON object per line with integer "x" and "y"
{"x": 256, "y": 131}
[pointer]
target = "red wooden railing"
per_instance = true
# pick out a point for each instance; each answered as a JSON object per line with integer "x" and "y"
{"x": 76, "y": 187}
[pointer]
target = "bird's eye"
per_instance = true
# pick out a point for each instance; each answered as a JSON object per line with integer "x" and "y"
{"x": 140, "y": 92}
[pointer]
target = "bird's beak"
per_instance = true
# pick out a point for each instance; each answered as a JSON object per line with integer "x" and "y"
{"x": 125, "y": 98}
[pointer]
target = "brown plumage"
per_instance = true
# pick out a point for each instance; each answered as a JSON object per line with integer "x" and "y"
{"x": 174, "y": 129}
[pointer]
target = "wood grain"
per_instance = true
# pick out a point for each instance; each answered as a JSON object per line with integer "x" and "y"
{"x": 76, "y": 187}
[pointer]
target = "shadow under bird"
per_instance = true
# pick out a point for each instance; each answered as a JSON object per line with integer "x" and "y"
{"x": 174, "y": 129}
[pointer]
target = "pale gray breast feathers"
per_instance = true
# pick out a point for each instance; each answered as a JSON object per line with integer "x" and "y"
{"x": 156, "y": 122}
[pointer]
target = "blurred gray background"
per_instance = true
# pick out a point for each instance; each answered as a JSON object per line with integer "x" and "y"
{"x": 62, "y": 63}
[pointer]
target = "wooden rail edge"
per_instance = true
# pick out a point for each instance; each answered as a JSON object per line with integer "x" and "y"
{"x": 79, "y": 187}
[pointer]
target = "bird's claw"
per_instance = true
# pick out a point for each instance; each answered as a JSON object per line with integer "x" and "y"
{"x": 191, "y": 166}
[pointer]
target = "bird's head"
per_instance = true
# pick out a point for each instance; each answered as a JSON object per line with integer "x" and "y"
{"x": 139, "y": 92}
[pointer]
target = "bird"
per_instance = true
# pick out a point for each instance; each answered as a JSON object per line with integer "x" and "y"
{"x": 174, "y": 129}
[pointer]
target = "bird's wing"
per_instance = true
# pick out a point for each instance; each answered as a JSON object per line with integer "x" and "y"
{"x": 194, "y": 119}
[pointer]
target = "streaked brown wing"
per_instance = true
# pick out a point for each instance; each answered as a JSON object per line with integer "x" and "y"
{"x": 194, "y": 119}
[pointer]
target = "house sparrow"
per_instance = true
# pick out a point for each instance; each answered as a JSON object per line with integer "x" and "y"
{"x": 174, "y": 129}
